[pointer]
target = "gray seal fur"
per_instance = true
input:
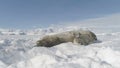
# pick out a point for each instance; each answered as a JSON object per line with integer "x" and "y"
{"x": 82, "y": 37}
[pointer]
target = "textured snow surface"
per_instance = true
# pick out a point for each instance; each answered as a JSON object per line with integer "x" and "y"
{"x": 17, "y": 50}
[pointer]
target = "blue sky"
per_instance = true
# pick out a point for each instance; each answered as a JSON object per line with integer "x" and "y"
{"x": 24, "y": 14}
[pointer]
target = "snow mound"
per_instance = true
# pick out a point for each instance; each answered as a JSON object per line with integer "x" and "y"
{"x": 17, "y": 50}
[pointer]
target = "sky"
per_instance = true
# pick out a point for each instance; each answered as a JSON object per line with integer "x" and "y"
{"x": 22, "y": 14}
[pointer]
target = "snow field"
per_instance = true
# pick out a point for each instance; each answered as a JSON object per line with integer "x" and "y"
{"x": 18, "y": 51}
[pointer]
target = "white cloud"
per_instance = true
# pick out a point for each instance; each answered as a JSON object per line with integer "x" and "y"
{"x": 107, "y": 21}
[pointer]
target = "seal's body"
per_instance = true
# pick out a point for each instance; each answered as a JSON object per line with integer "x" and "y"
{"x": 79, "y": 36}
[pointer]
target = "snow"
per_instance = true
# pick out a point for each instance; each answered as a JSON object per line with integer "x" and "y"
{"x": 17, "y": 49}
